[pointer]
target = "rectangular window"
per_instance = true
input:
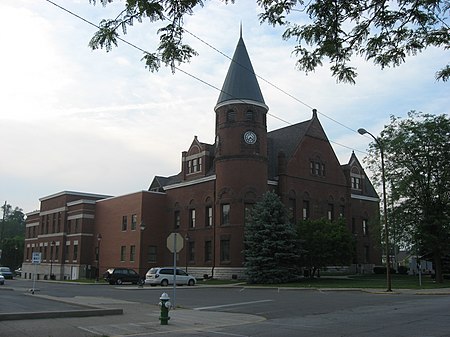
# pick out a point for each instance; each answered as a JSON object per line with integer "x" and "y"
{"x": 342, "y": 211}
{"x": 132, "y": 253}
{"x": 124, "y": 223}
{"x": 366, "y": 254}
{"x": 317, "y": 168}
{"x": 56, "y": 253}
{"x": 58, "y": 224}
{"x": 44, "y": 257}
{"x": 209, "y": 216}
{"x": 123, "y": 250}
{"x": 330, "y": 212}
{"x": 249, "y": 115}
{"x": 152, "y": 250}
{"x": 189, "y": 166}
{"x": 225, "y": 216}
{"x": 195, "y": 165}
{"x": 177, "y": 219}
{"x": 75, "y": 252}
{"x": 365, "y": 228}
{"x": 225, "y": 250}
{"x": 356, "y": 183}
{"x": 53, "y": 223}
{"x": 191, "y": 250}
{"x": 66, "y": 251}
{"x": 292, "y": 210}
{"x": 192, "y": 218}
{"x": 247, "y": 212}
{"x": 77, "y": 225}
{"x": 305, "y": 211}
{"x": 133, "y": 222}
{"x": 69, "y": 226}
{"x": 208, "y": 251}
{"x": 231, "y": 116}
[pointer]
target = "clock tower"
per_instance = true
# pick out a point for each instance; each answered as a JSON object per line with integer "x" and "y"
{"x": 241, "y": 148}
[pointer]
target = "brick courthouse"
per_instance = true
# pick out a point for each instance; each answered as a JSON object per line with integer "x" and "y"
{"x": 207, "y": 201}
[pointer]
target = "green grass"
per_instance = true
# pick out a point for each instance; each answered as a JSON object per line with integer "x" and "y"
{"x": 354, "y": 281}
{"x": 369, "y": 281}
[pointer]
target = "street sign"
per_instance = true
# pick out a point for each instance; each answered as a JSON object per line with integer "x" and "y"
{"x": 36, "y": 258}
{"x": 175, "y": 242}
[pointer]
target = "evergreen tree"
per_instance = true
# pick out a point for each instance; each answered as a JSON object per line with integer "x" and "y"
{"x": 272, "y": 251}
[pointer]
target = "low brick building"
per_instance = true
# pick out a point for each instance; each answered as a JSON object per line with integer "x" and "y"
{"x": 79, "y": 233}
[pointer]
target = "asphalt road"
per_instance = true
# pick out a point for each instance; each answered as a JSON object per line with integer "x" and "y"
{"x": 283, "y": 312}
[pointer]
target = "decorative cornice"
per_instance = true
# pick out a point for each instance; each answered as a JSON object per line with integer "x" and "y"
{"x": 191, "y": 182}
{"x": 364, "y": 197}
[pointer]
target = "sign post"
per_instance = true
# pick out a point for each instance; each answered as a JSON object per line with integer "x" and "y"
{"x": 35, "y": 259}
{"x": 175, "y": 243}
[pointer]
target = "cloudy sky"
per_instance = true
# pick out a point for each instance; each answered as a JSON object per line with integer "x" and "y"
{"x": 91, "y": 121}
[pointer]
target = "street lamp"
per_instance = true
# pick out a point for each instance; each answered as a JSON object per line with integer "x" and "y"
{"x": 141, "y": 249}
{"x": 386, "y": 231}
{"x": 99, "y": 239}
{"x": 187, "y": 238}
{"x": 51, "y": 259}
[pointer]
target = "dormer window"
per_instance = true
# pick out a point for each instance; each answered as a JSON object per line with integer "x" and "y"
{"x": 194, "y": 165}
{"x": 356, "y": 178}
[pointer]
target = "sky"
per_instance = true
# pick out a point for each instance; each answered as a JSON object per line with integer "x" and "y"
{"x": 74, "y": 119}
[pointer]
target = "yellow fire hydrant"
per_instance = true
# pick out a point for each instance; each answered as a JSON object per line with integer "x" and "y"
{"x": 165, "y": 305}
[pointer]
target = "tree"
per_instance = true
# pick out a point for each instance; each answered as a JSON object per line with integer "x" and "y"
{"x": 385, "y": 32}
{"x": 272, "y": 251}
{"x": 325, "y": 243}
{"x": 12, "y": 236}
{"x": 417, "y": 161}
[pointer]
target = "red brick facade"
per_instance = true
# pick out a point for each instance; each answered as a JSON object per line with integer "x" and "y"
{"x": 207, "y": 201}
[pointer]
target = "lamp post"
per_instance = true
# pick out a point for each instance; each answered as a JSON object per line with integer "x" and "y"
{"x": 386, "y": 230}
{"x": 99, "y": 239}
{"x": 187, "y": 238}
{"x": 141, "y": 250}
{"x": 51, "y": 259}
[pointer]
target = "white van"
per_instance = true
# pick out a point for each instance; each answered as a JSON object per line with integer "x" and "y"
{"x": 164, "y": 277}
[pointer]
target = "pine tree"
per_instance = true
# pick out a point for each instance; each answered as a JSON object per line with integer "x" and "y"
{"x": 272, "y": 250}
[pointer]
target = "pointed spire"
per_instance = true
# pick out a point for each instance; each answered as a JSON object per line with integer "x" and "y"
{"x": 240, "y": 85}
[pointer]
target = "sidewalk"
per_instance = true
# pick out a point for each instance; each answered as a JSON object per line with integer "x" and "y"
{"x": 100, "y": 316}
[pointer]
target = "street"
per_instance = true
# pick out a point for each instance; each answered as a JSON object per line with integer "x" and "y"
{"x": 281, "y": 312}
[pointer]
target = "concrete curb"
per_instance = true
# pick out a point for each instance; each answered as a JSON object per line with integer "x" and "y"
{"x": 59, "y": 314}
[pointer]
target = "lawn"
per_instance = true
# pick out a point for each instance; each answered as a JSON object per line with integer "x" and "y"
{"x": 354, "y": 281}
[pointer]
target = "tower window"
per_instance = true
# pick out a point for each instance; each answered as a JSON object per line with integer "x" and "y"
{"x": 231, "y": 116}
{"x": 249, "y": 116}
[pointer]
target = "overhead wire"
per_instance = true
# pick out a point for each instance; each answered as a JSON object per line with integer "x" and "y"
{"x": 213, "y": 86}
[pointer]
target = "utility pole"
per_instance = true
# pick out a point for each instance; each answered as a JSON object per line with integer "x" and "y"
{"x": 2, "y": 231}
{"x": 3, "y": 224}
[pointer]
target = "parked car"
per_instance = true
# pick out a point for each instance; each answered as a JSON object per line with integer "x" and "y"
{"x": 2, "y": 280}
{"x": 121, "y": 275}
{"x": 6, "y": 272}
{"x": 164, "y": 277}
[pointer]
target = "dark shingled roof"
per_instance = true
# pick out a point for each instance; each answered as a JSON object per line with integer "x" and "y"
{"x": 284, "y": 140}
{"x": 241, "y": 82}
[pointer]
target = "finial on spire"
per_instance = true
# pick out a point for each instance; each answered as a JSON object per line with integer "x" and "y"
{"x": 240, "y": 31}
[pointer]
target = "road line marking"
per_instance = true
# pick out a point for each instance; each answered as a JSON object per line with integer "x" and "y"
{"x": 232, "y": 305}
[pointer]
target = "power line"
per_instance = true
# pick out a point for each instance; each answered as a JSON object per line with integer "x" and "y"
{"x": 213, "y": 86}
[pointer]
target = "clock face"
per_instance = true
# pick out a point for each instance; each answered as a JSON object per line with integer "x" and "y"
{"x": 250, "y": 137}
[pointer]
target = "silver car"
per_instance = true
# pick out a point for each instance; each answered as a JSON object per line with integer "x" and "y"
{"x": 164, "y": 277}
{"x": 2, "y": 280}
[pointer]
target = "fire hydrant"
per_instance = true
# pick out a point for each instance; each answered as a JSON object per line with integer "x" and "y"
{"x": 165, "y": 305}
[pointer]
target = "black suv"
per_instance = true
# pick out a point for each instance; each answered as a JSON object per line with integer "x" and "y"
{"x": 121, "y": 275}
